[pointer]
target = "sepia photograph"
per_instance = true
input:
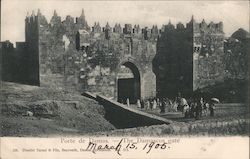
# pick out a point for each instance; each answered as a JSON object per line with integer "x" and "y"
{"x": 124, "y": 68}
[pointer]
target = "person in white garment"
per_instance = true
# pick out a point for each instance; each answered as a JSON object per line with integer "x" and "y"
{"x": 138, "y": 103}
{"x": 128, "y": 102}
{"x": 154, "y": 104}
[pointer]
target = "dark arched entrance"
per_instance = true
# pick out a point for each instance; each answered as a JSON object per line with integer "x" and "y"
{"x": 128, "y": 83}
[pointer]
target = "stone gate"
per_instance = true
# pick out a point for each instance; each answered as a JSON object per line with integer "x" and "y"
{"x": 122, "y": 62}
{"x": 126, "y": 72}
{"x": 112, "y": 61}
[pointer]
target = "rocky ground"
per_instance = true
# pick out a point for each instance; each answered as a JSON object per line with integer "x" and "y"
{"x": 50, "y": 111}
{"x": 39, "y": 111}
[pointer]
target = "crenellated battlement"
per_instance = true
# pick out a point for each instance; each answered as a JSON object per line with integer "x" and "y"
{"x": 31, "y": 18}
{"x": 194, "y": 26}
{"x": 153, "y": 32}
{"x": 183, "y": 56}
{"x": 211, "y": 27}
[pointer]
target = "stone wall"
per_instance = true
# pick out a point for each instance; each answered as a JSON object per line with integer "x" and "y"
{"x": 114, "y": 52}
{"x": 189, "y": 58}
{"x": 17, "y": 64}
{"x": 93, "y": 58}
{"x": 7, "y": 61}
{"x": 173, "y": 62}
{"x": 169, "y": 60}
{"x": 208, "y": 54}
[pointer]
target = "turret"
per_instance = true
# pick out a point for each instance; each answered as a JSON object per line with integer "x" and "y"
{"x": 81, "y": 19}
{"x": 27, "y": 19}
{"x": 118, "y": 29}
{"x": 32, "y": 17}
{"x": 82, "y": 15}
{"x": 211, "y": 27}
{"x": 107, "y": 31}
{"x": 55, "y": 20}
{"x": 169, "y": 26}
{"x": 191, "y": 23}
{"x": 146, "y": 33}
{"x": 107, "y": 27}
{"x": 55, "y": 13}
{"x": 203, "y": 25}
{"x": 96, "y": 28}
{"x": 31, "y": 26}
{"x": 41, "y": 19}
{"x": 127, "y": 29}
{"x": 136, "y": 29}
{"x": 39, "y": 12}
{"x": 180, "y": 26}
{"x": 69, "y": 20}
{"x": 33, "y": 13}
{"x": 81, "y": 22}
{"x": 162, "y": 29}
{"x": 155, "y": 30}
{"x": 219, "y": 27}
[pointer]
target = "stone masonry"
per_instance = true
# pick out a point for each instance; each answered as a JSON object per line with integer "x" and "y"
{"x": 100, "y": 60}
{"x": 189, "y": 57}
{"x": 92, "y": 58}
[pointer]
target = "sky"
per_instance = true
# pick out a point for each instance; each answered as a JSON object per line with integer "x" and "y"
{"x": 233, "y": 14}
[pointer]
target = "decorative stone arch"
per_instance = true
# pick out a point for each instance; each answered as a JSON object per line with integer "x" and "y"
{"x": 131, "y": 61}
{"x": 128, "y": 83}
{"x": 147, "y": 78}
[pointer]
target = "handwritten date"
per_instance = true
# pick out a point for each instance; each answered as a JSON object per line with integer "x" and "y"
{"x": 121, "y": 146}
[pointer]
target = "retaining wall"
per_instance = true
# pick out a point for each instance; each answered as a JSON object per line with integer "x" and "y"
{"x": 122, "y": 116}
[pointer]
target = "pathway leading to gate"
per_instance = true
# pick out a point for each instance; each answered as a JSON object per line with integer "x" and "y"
{"x": 122, "y": 116}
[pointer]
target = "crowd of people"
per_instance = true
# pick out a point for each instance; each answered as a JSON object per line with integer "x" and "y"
{"x": 190, "y": 107}
{"x": 195, "y": 108}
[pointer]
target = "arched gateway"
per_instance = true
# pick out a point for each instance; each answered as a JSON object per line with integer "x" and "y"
{"x": 128, "y": 83}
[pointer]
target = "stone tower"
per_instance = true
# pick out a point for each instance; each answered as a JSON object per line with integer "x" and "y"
{"x": 208, "y": 52}
{"x": 188, "y": 58}
{"x": 32, "y": 40}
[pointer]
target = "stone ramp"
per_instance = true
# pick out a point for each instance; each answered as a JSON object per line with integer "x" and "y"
{"x": 122, "y": 116}
{"x": 89, "y": 95}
